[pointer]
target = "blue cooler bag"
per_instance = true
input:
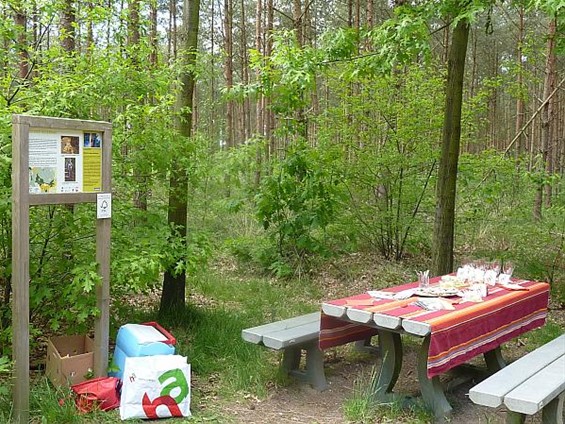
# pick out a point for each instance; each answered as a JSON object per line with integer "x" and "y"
{"x": 135, "y": 340}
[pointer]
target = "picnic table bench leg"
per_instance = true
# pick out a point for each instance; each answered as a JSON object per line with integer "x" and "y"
{"x": 313, "y": 372}
{"x": 515, "y": 418}
{"x": 552, "y": 413}
{"x": 315, "y": 366}
{"x": 291, "y": 358}
{"x": 431, "y": 388}
{"x": 494, "y": 360}
{"x": 390, "y": 346}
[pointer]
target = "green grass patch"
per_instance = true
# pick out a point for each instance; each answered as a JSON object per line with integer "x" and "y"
{"x": 362, "y": 408}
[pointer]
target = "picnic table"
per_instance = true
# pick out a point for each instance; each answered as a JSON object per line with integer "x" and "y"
{"x": 450, "y": 337}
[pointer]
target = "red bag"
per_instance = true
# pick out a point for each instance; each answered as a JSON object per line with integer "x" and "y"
{"x": 99, "y": 393}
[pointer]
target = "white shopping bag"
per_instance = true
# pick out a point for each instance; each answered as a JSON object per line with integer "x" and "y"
{"x": 155, "y": 387}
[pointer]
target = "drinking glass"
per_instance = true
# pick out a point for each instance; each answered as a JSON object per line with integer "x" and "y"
{"x": 423, "y": 279}
{"x": 507, "y": 270}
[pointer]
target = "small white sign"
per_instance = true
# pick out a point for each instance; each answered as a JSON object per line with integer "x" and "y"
{"x": 103, "y": 205}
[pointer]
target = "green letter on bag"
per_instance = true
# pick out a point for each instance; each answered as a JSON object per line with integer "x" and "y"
{"x": 179, "y": 381}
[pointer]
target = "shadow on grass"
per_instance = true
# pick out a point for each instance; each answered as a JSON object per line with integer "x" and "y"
{"x": 210, "y": 337}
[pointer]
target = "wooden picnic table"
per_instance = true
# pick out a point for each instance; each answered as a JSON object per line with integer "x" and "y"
{"x": 450, "y": 337}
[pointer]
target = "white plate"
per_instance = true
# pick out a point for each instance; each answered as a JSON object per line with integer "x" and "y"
{"x": 436, "y": 292}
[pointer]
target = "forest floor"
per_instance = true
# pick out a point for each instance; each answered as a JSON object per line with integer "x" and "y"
{"x": 348, "y": 373}
{"x": 298, "y": 403}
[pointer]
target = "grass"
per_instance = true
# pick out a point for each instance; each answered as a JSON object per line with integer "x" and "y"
{"x": 362, "y": 408}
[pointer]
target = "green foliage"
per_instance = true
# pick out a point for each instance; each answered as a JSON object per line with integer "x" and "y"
{"x": 494, "y": 216}
{"x": 399, "y": 41}
{"x": 385, "y": 146}
{"x": 296, "y": 203}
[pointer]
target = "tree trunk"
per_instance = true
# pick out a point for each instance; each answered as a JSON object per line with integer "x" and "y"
{"x": 370, "y": 13}
{"x": 546, "y": 124}
{"x": 443, "y": 236}
{"x": 20, "y": 20}
{"x": 259, "y": 116}
{"x": 520, "y": 106}
{"x": 153, "y": 35}
{"x": 270, "y": 146}
{"x": 140, "y": 195}
{"x": 297, "y": 17}
{"x": 245, "y": 118}
{"x": 172, "y": 45}
{"x": 67, "y": 25}
{"x": 228, "y": 70}
{"x": 174, "y": 283}
{"x": 548, "y": 113}
{"x": 89, "y": 29}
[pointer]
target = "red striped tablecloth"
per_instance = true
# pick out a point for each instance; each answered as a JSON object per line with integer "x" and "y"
{"x": 456, "y": 335}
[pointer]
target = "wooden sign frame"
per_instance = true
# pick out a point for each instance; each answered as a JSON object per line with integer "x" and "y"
{"x": 22, "y": 200}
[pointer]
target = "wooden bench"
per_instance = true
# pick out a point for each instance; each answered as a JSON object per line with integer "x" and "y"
{"x": 292, "y": 336}
{"x": 532, "y": 383}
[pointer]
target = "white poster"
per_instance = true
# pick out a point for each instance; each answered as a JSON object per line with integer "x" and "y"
{"x": 55, "y": 161}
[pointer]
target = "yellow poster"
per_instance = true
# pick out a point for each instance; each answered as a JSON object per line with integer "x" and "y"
{"x": 92, "y": 169}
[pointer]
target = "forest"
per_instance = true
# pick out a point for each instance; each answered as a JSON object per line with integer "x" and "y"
{"x": 275, "y": 141}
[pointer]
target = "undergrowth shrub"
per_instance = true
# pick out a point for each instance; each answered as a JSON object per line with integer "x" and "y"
{"x": 495, "y": 220}
{"x": 295, "y": 204}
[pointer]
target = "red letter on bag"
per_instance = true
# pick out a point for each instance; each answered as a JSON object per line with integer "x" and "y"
{"x": 150, "y": 408}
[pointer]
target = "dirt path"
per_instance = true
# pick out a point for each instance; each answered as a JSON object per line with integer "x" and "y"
{"x": 298, "y": 403}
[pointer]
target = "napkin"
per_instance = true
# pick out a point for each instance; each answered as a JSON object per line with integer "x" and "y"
{"x": 434, "y": 304}
{"x": 470, "y": 296}
{"x": 381, "y": 294}
{"x": 511, "y": 286}
{"x": 404, "y": 294}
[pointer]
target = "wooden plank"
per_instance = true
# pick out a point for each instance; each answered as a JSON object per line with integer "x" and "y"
{"x": 292, "y": 336}
{"x": 20, "y": 270}
{"x": 416, "y": 327}
{"x": 255, "y": 334}
{"x": 334, "y": 310}
{"x": 359, "y": 315}
{"x": 61, "y": 123}
{"x": 61, "y": 198}
{"x": 387, "y": 321}
{"x": 540, "y": 389}
{"x": 491, "y": 391}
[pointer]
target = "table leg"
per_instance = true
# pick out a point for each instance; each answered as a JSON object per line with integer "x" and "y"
{"x": 431, "y": 388}
{"x": 365, "y": 346}
{"x": 390, "y": 346}
{"x": 494, "y": 360}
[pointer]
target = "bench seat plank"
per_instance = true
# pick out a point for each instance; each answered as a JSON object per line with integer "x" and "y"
{"x": 256, "y": 334}
{"x": 491, "y": 391}
{"x": 292, "y": 336}
{"x": 536, "y": 392}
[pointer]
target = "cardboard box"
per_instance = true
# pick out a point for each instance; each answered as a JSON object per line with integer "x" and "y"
{"x": 69, "y": 359}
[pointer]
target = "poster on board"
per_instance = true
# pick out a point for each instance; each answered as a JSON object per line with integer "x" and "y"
{"x": 65, "y": 161}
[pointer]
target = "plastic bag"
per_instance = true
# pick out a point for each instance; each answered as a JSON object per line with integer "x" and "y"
{"x": 98, "y": 393}
{"x": 155, "y": 386}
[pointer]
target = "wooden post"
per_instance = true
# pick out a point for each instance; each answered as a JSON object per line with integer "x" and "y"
{"x": 21, "y": 202}
{"x": 103, "y": 229}
{"x": 20, "y": 271}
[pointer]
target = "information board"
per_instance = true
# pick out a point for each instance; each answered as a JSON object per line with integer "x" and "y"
{"x": 63, "y": 161}
{"x": 57, "y": 161}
